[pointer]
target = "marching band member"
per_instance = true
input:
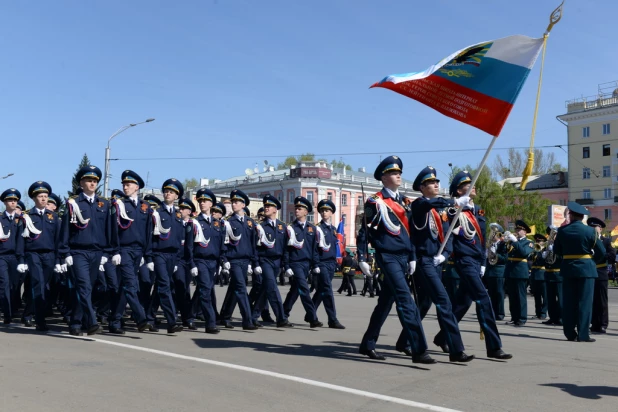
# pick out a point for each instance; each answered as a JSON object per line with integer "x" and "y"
{"x": 516, "y": 272}
{"x": 553, "y": 281}
{"x": 537, "y": 278}
{"x": 600, "y": 313}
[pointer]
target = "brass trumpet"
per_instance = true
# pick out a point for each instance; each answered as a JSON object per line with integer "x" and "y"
{"x": 496, "y": 234}
{"x": 539, "y": 247}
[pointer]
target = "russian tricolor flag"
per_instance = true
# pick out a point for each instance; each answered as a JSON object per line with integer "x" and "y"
{"x": 477, "y": 85}
{"x": 340, "y": 240}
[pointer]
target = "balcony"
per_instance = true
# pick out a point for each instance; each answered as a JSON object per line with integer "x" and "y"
{"x": 585, "y": 202}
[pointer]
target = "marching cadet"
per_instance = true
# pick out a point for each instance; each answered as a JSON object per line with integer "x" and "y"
{"x": 167, "y": 237}
{"x": 600, "y": 315}
{"x": 205, "y": 250}
{"x": 42, "y": 234}
{"x": 145, "y": 276}
{"x": 577, "y": 243}
{"x": 348, "y": 270}
{"x": 387, "y": 229}
{"x": 182, "y": 276}
{"x": 303, "y": 258}
{"x": 327, "y": 250}
{"x": 516, "y": 272}
{"x": 88, "y": 238}
{"x": 53, "y": 202}
{"x": 241, "y": 254}
{"x": 494, "y": 275}
{"x": 553, "y": 281}
{"x": 11, "y": 252}
{"x": 469, "y": 249}
{"x": 537, "y": 277}
{"x": 272, "y": 241}
{"x": 134, "y": 221}
{"x": 256, "y": 281}
{"x": 427, "y": 227}
{"x": 218, "y": 211}
{"x": 57, "y": 284}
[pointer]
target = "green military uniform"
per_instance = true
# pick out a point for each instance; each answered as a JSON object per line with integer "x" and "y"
{"x": 578, "y": 246}
{"x": 539, "y": 287}
{"x": 516, "y": 273}
{"x": 450, "y": 278}
{"x": 553, "y": 281}
{"x": 494, "y": 279}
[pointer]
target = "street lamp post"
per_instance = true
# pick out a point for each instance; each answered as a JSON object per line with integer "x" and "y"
{"x": 106, "y": 173}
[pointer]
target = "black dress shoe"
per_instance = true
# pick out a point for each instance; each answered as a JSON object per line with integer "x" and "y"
{"x": 372, "y": 295}
{"x": 460, "y": 357}
{"x": 589, "y": 340}
{"x": 349, "y": 294}
{"x": 75, "y": 332}
{"x": 42, "y": 328}
{"x": 498, "y": 354}
{"x": 285, "y": 324}
{"x": 189, "y": 325}
{"x": 548, "y": 322}
{"x": 143, "y": 326}
{"x": 423, "y": 358}
{"x": 336, "y": 325}
{"x": 226, "y": 324}
{"x": 316, "y": 324}
{"x": 250, "y": 327}
{"x": 258, "y": 324}
{"x": 152, "y": 328}
{"x": 27, "y": 323}
{"x": 116, "y": 331}
{"x": 444, "y": 347}
{"x": 372, "y": 354}
{"x": 213, "y": 331}
{"x": 174, "y": 329}
{"x": 405, "y": 351}
{"x": 268, "y": 319}
{"x": 519, "y": 324}
{"x": 93, "y": 329}
{"x": 542, "y": 317}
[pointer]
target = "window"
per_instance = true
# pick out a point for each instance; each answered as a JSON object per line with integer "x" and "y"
{"x": 607, "y": 193}
{"x": 329, "y": 196}
{"x": 280, "y": 197}
{"x": 607, "y": 171}
{"x": 562, "y": 202}
{"x": 606, "y": 128}
{"x": 310, "y": 197}
{"x": 606, "y": 150}
{"x": 586, "y": 152}
{"x": 586, "y": 194}
{"x": 586, "y": 173}
{"x": 292, "y": 217}
{"x": 291, "y": 196}
{"x": 608, "y": 214}
{"x": 344, "y": 200}
{"x": 360, "y": 198}
{"x": 586, "y": 131}
{"x": 310, "y": 217}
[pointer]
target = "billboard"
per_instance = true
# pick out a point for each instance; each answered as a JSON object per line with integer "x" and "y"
{"x": 558, "y": 216}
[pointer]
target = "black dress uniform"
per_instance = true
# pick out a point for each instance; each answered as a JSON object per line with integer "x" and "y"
{"x": 11, "y": 254}
{"x": 88, "y": 239}
{"x": 600, "y": 312}
{"x": 537, "y": 280}
{"x": 577, "y": 244}
{"x": 516, "y": 274}
{"x": 494, "y": 279}
{"x": 42, "y": 235}
{"x": 388, "y": 231}
{"x": 146, "y": 277}
{"x": 450, "y": 277}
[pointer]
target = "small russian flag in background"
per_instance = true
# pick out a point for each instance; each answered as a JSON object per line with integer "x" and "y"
{"x": 340, "y": 240}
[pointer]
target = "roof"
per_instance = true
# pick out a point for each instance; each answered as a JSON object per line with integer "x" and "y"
{"x": 537, "y": 182}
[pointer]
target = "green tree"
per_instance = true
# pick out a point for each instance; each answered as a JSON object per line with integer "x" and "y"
{"x": 75, "y": 183}
{"x": 515, "y": 162}
{"x": 341, "y": 164}
{"x": 191, "y": 183}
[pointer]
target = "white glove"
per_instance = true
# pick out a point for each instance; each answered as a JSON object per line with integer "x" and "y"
{"x": 316, "y": 270}
{"x": 64, "y": 268}
{"x": 512, "y": 238}
{"x": 22, "y": 268}
{"x": 493, "y": 249}
{"x": 482, "y": 271}
{"x": 258, "y": 270}
{"x": 590, "y": 251}
{"x": 249, "y": 270}
{"x": 194, "y": 272}
{"x": 365, "y": 268}
{"x": 175, "y": 269}
{"x": 116, "y": 260}
{"x": 437, "y": 260}
{"x": 227, "y": 266}
{"x": 289, "y": 273}
{"x": 150, "y": 266}
{"x": 103, "y": 260}
{"x": 463, "y": 202}
{"x": 101, "y": 268}
{"x": 58, "y": 268}
{"x": 225, "y": 271}
{"x": 411, "y": 267}
{"x": 68, "y": 260}
{"x": 550, "y": 248}
{"x": 544, "y": 254}
{"x": 141, "y": 262}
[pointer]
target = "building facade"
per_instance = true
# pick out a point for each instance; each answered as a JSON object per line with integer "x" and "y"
{"x": 592, "y": 128}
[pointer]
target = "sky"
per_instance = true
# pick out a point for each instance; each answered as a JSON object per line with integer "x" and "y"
{"x": 242, "y": 81}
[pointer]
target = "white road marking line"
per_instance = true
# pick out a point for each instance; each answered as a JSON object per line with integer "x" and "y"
{"x": 292, "y": 378}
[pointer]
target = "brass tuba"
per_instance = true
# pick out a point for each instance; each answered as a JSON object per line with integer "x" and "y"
{"x": 496, "y": 233}
{"x": 551, "y": 238}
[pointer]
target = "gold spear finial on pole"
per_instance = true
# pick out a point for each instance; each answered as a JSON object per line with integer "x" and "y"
{"x": 555, "y": 17}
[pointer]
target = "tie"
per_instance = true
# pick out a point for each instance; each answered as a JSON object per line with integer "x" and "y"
{"x": 273, "y": 223}
{"x": 208, "y": 219}
{"x": 242, "y": 219}
{"x": 11, "y": 218}
{"x": 40, "y": 213}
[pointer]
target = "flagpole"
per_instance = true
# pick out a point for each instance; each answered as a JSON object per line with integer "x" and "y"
{"x": 474, "y": 179}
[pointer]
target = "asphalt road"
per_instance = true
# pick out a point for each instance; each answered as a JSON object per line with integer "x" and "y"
{"x": 304, "y": 369}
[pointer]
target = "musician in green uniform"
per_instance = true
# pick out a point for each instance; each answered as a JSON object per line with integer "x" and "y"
{"x": 494, "y": 274}
{"x": 553, "y": 281}
{"x": 578, "y": 246}
{"x": 516, "y": 272}
{"x": 537, "y": 277}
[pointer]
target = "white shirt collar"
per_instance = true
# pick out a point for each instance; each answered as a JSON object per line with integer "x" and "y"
{"x": 40, "y": 211}
{"x": 11, "y": 215}
{"x": 391, "y": 193}
{"x": 170, "y": 208}
{"x": 271, "y": 222}
{"x": 207, "y": 217}
{"x": 90, "y": 198}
